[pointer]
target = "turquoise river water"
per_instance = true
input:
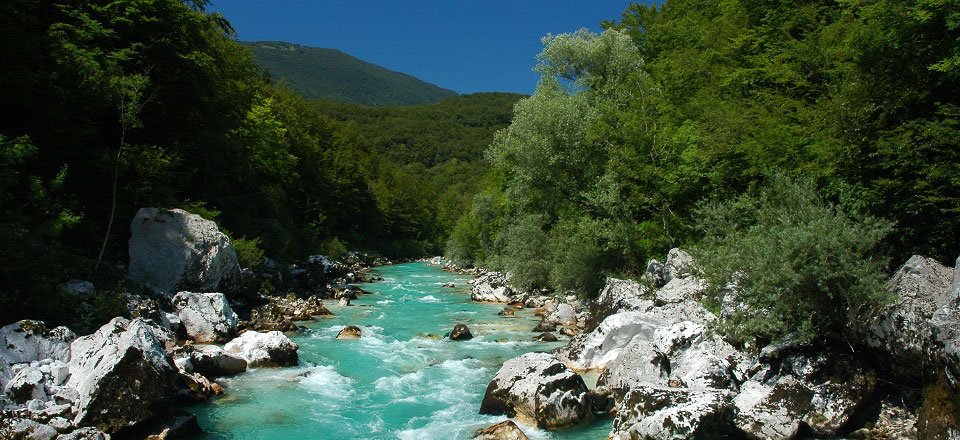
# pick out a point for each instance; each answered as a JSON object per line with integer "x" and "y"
{"x": 398, "y": 381}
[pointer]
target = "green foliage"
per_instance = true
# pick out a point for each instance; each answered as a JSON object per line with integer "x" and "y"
{"x": 249, "y": 253}
{"x": 317, "y": 73}
{"x": 522, "y": 246}
{"x": 797, "y": 266}
{"x": 334, "y": 248}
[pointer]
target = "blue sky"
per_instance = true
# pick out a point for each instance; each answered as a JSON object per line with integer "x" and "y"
{"x": 464, "y": 45}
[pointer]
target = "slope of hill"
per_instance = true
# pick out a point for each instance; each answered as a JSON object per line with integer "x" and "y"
{"x": 458, "y": 128}
{"x": 319, "y": 73}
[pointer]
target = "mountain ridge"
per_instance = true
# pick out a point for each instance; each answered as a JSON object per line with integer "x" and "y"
{"x": 325, "y": 73}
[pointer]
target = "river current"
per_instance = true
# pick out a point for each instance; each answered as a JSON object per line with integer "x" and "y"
{"x": 401, "y": 379}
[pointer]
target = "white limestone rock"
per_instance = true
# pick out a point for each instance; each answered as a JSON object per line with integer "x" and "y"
{"x": 174, "y": 250}
{"x": 537, "y": 388}
{"x": 206, "y": 317}
{"x": 122, "y": 375}
{"x": 662, "y": 413}
{"x": 265, "y": 349}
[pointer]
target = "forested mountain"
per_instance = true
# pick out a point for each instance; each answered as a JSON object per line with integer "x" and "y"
{"x": 318, "y": 73}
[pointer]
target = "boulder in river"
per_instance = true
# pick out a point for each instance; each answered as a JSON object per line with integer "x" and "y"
{"x": 539, "y": 389}
{"x": 206, "y": 317}
{"x": 213, "y": 361}
{"x": 122, "y": 375}
{"x": 173, "y": 250}
{"x": 505, "y": 430}
{"x": 460, "y": 332}
{"x": 350, "y": 332}
{"x": 546, "y": 337}
{"x": 264, "y": 349}
{"x": 545, "y": 326}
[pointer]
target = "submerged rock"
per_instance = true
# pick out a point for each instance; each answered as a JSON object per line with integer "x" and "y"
{"x": 269, "y": 349}
{"x": 122, "y": 374}
{"x": 505, "y": 430}
{"x": 206, "y": 317}
{"x": 173, "y": 250}
{"x": 538, "y": 388}
{"x": 460, "y": 332}
{"x": 546, "y": 337}
{"x": 350, "y": 332}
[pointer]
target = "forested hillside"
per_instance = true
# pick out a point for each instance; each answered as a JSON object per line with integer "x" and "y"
{"x": 646, "y": 137}
{"x": 114, "y": 106}
{"x": 318, "y": 73}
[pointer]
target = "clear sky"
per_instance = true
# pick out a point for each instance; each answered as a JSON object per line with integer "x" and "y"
{"x": 463, "y": 45}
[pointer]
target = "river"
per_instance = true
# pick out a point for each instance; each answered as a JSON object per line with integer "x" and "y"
{"x": 401, "y": 379}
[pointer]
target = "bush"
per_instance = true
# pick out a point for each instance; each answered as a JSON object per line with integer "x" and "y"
{"x": 334, "y": 248}
{"x": 523, "y": 251}
{"x": 249, "y": 253}
{"x": 796, "y": 264}
{"x": 576, "y": 257}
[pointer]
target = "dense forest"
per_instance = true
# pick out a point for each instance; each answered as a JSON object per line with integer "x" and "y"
{"x": 113, "y": 106}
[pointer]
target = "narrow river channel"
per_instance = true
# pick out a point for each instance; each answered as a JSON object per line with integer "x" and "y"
{"x": 401, "y": 379}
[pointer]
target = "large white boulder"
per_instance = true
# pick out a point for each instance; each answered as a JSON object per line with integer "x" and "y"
{"x": 264, "y": 349}
{"x": 173, "y": 250}
{"x": 122, "y": 375}
{"x": 538, "y": 389}
{"x": 206, "y": 317}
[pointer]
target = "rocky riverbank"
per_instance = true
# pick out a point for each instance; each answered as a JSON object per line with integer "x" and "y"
{"x": 664, "y": 374}
{"x": 123, "y": 379}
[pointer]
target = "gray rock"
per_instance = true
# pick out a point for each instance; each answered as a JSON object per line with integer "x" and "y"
{"x": 213, "y": 361}
{"x": 61, "y": 424}
{"x": 350, "y": 332}
{"x": 679, "y": 265}
{"x": 539, "y": 389}
{"x": 28, "y": 341}
{"x": 122, "y": 375}
{"x": 173, "y": 250}
{"x": 460, "y": 332}
{"x": 654, "y": 274}
{"x": 79, "y": 288}
{"x": 25, "y": 429}
{"x": 206, "y": 317}
{"x": 565, "y": 314}
{"x": 619, "y": 296}
{"x": 824, "y": 392}
{"x": 652, "y": 412}
{"x": 505, "y": 430}
{"x": 491, "y": 287}
{"x": 264, "y": 349}
{"x": 26, "y": 384}
{"x": 921, "y": 287}
{"x": 86, "y": 433}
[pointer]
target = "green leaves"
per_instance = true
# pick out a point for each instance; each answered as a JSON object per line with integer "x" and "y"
{"x": 795, "y": 264}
